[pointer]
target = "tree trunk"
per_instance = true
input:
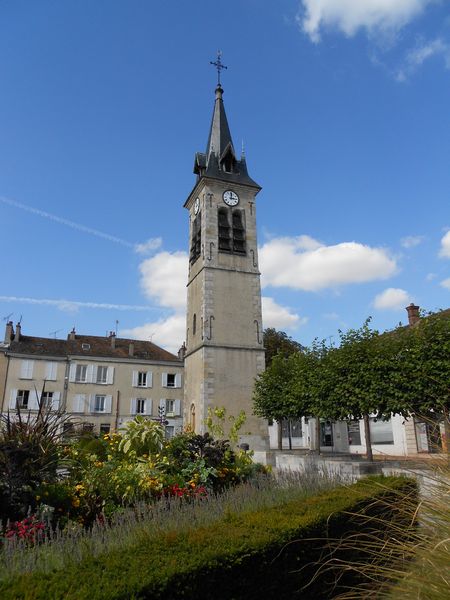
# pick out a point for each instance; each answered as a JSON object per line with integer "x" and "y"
{"x": 318, "y": 435}
{"x": 280, "y": 435}
{"x": 368, "y": 439}
{"x": 289, "y": 434}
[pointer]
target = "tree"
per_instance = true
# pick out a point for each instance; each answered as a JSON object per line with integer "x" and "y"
{"x": 278, "y": 342}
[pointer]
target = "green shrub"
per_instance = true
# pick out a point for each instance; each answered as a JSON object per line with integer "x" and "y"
{"x": 272, "y": 553}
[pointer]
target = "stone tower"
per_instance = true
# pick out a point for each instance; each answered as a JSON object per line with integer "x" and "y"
{"x": 224, "y": 327}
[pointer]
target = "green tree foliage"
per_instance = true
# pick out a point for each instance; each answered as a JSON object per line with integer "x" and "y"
{"x": 405, "y": 371}
{"x": 278, "y": 342}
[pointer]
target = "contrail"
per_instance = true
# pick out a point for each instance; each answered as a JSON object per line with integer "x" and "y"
{"x": 72, "y": 224}
{"x": 74, "y": 305}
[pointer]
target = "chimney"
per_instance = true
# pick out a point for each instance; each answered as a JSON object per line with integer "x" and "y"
{"x": 112, "y": 337}
{"x": 71, "y": 335}
{"x": 413, "y": 313}
{"x": 182, "y": 351}
{"x": 17, "y": 335}
{"x": 131, "y": 349}
{"x": 9, "y": 332}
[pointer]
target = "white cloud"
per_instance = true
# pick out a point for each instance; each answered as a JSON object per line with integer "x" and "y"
{"x": 277, "y": 316}
{"x": 349, "y": 16}
{"x": 148, "y": 246}
{"x": 445, "y": 246}
{"x": 168, "y": 333}
{"x": 446, "y": 283}
{"x": 163, "y": 278}
{"x": 392, "y": 299}
{"x": 416, "y": 57}
{"x": 410, "y": 241}
{"x": 286, "y": 263}
{"x": 73, "y": 306}
{"x": 430, "y": 276}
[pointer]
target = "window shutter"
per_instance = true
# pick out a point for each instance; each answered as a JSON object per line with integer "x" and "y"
{"x": 26, "y": 369}
{"x": 78, "y": 403}
{"x": 177, "y": 408}
{"x": 110, "y": 375}
{"x": 13, "y": 399}
{"x": 135, "y": 378}
{"x": 33, "y": 402}
{"x": 178, "y": 380}
{"x": 108, "y": 404}
{"x": 55, "y": 400}
{"x": 92, "y": 402}
{"x": 162, "y": 404}
{"x": 72, "y": 371}
{"x": 91, "y": 373}
{"x": 148, "y": 406}
{"x": 50, "y": 371}
{"x": 164, "y": 379}
{"x": 133, "y": 406}
{"x": 149, "y": 379}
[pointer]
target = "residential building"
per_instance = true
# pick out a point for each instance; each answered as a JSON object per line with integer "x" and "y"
{"x": 100, "y": 381}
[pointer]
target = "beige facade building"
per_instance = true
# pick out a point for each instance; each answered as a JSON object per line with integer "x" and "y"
{"x": 224, "y": 337}
{"x": 100, "y": 381}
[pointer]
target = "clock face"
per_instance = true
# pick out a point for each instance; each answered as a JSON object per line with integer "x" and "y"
{"x": 196, "y": 205}
{"x": 230, "y": 198}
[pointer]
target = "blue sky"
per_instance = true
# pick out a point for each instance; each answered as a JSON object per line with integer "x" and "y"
{"x": 343, "y": 107}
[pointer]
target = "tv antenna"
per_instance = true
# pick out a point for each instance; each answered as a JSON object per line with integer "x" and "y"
{"x": 7, "y": 317}
{"x": 53, "y": 333}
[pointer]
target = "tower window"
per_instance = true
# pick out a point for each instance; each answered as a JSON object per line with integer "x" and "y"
{"x": 194, "y": 324}
{"x": 231, "y": 230}
{"x": 196, "y": 240}
{"x": 224, "y": 230}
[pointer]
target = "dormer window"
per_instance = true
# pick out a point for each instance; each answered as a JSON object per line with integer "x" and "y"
{"x": 85, "y": 346}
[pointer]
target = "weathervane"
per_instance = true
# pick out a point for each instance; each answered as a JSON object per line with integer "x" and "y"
{"x": 218, "y": 64}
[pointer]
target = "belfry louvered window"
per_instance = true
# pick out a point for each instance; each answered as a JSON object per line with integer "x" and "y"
{"x": 224, "y": 230}
{"x": 196, "y": 240}
{"x": 231, "y": 230}
{"x": 238, "y": 232}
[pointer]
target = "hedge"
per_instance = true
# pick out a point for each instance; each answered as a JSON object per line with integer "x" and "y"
{"x": 266, "y": 554}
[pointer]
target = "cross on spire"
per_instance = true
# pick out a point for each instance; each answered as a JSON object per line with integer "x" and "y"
{"x": 219, "y": 65}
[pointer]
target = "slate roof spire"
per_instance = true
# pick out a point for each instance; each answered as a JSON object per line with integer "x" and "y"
{"x": 219, "y": 134}
{"x": 220, "y": 161}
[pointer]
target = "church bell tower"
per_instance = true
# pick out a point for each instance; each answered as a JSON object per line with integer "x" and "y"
{"x": 224, "y": 338}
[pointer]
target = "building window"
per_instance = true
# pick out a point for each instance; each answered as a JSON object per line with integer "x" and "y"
{"x": 170, "y": 407}
{"x": 140, "y": 406}
{"x": 169, "y": 432}
{"x": 80, "y": 373}
{"x": 224, "y": 230}
{"x": 354, "y": 433}
{"x": 142, "y": 379}
{"x": 99, "y": 403}
{"x": 46, "y": 399}
{"x": 170, "y": 380}
{"x": 238, "y": 232}
{"x": 381, "y": 431}
{"x": 194, "y": 324}
{"x": 68, "y": 429}
{"x": 22, "y": 398}
{"x": 26, "y": 369}
{"x": 196, "y": 240}
{"x": 50, "y": 371}
{"x": 231, "y": 230}
{"x": 105, "y": 428}
{"x": 102, "y": 374}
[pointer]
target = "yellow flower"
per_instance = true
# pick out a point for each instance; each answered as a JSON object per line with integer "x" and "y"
{"x": 76, "y": 502}
{"x": 38, "y": 497}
